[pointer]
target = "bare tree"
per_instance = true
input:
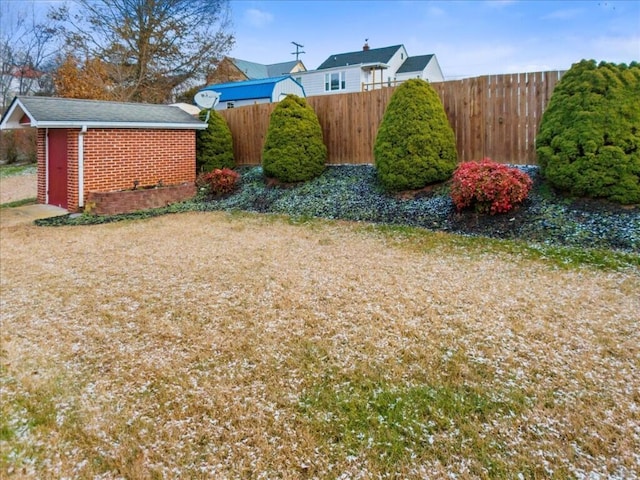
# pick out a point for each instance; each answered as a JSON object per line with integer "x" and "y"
{"x": 26, "y": 51}
{"x": 150, "y": 47}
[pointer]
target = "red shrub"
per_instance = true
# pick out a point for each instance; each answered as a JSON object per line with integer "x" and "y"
{"x": 488, "y": 186}
{"x": 219, "y": 180}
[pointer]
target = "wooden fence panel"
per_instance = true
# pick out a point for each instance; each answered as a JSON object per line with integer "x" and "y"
{"x": 494, "y": 116}
{"x": 248, "y": 127}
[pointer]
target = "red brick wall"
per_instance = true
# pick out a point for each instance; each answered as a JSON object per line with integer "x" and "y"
{"x": 110, "y": 203}
{"x": 115, "y": 158}
{"x": 72, "y": 170}
{"x": 42, "y": 166}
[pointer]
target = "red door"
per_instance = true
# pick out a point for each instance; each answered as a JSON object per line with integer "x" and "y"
{"x": 57, "y": 149}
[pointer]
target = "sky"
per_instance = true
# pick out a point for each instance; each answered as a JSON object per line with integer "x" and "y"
{"x": 469, "y": 38}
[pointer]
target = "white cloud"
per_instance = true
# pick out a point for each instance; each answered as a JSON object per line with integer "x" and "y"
{"x": 567, "y": 14}
{"x": 617, "y": 49}
{"x": 258, "y": 18}
{"x": 499, "y": 3}
{"x": 436, "y": 11}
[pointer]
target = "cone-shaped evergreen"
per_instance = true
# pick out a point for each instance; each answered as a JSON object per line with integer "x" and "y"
{"x": 294, "y": 150}
{"x": 214, "y": 145}
{"x": 415, "y": 145}
{"x": 589, "y": 138}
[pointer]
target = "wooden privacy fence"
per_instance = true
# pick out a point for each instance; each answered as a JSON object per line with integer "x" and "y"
{"x": 493, "y": 116}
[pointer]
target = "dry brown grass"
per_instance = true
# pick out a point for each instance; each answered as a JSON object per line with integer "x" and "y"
{"x": 183, "y": 346}
{"x": 18, "y": 187}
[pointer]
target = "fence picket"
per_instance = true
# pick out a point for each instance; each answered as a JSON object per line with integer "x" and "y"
{"x": 494, "y": 115}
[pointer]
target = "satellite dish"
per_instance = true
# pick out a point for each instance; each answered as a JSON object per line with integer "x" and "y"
{"x": 207, "y": 99}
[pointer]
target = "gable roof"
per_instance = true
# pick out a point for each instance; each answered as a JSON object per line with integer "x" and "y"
{"x": 251, "y": 69}
{"x": 415, "y": 64}
{"x": 373, "y": 55}
{"x": 54, "y": 112}
{"x": 283, "y": 68}
{"x": 249, "y": 89}
{"x": 255, "y": 71}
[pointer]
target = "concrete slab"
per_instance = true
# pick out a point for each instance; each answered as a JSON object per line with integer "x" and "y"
{"x": 28, "y": 213}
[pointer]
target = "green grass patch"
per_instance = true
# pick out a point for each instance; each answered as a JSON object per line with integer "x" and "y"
{"x": 19, "y": 203}
{"x": 392, "y": 425}
{"x": 13, "y": 170}
{"x": 555, "y": 255}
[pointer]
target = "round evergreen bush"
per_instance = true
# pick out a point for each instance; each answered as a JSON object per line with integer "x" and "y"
{"x": 294, "y": 150}
{"x": 415, "y": 144}
{"x": 589, "y": 138}
{"x": 214, "y": 145}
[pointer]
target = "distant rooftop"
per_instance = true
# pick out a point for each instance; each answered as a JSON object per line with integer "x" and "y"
{"x": 255, "y": 70}
{"x": 372, "y": 55}
{"x": 415, "y": 64}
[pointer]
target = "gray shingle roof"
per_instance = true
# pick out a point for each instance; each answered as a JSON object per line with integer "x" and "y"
{"x": 283, "y": 68}
{"x": 255, "y": 71}
{"x": 252, "y": 70}
{"x": 374, "y": 55}
{"x": 66, "y": 112}
{"x": 415, "y": 64}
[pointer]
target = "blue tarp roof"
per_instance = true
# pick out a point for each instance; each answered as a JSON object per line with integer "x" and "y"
{"x": 247, "y": 90}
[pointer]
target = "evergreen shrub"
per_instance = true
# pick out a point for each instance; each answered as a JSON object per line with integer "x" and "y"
{"x": 214, "y": 145}
{"x": 294, "y": 150}
{"x": 489, "y": 187}
{"x": 589, "y": 138}
{"x": 415, "y": 144}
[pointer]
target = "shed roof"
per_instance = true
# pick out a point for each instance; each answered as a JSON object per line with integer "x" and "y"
{"x": 373, "y": 55}
{"x": 53, "y": 112}
{"x": 415, "y": 64}
{"x": 248, "y": 89}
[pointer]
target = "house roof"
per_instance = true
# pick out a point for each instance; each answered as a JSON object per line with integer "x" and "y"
{"x": 53, "y": 112}
{"x": 283, "y": 68}
{"x": 251, "y": 69}
{"x": 255, "y": 71}
{"x": 249, "y": 89}
{"x": 373, "y": 55}
{"x": 415, "y": 64}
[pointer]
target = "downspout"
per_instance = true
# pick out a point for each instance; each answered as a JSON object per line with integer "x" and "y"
{"x": 81, "y": 166}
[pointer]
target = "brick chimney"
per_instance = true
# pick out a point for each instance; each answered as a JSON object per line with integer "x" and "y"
{"x": 365, "y": 47}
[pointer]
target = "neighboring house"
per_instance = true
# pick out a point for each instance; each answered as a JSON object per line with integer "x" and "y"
{"x": 422, "y": 66}
{"x": 235, "y": 70}
{"x": 250, "y": 92}
{"x": 17, "y": 80}
{"x": 89, "y": 147}
{"x": 367, "y": 69}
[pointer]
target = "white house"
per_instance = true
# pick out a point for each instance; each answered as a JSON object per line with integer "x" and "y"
{"x": 422, "y": 66}
{"x": 250, "y": 92}
{"x": 367, "y": 69}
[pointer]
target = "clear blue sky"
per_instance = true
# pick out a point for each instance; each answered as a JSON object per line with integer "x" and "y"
{"x": 469, "y": 38}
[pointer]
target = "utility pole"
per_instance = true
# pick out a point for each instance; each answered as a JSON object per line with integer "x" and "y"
{"x": 298, "y": 51}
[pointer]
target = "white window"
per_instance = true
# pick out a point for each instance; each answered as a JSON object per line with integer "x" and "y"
{"x": 334, "y": 81}
{"x": 230, "y": 105}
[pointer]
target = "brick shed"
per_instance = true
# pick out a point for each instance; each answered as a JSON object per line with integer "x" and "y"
{"x": 86, "y": 147}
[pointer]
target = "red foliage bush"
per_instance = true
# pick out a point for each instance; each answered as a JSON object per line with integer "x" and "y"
{"x": 220, "y": 180}
{"x": 489, "y": 187}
